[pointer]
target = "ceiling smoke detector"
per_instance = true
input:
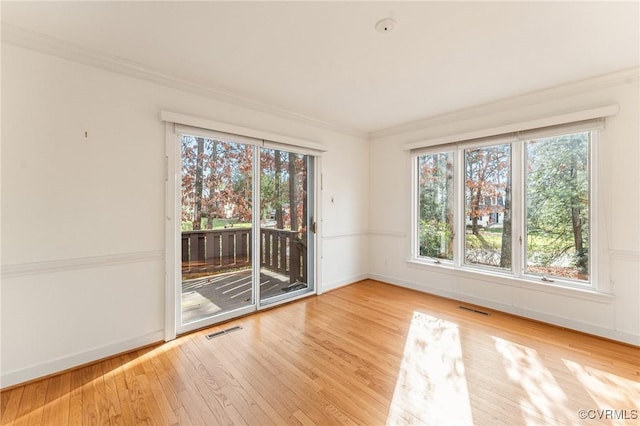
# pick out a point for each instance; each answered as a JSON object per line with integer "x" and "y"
{"x": 385, "y": 25}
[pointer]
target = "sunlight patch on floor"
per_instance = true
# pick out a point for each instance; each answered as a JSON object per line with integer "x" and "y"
{"x": 431, "y": 388}
{"x": 607, "y": 390}
{"x": 58, "y": 399}
{"x": 544, "y": 399}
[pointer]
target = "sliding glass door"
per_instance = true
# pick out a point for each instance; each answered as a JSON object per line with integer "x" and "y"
{"x": 285, "y": 237}
{"x": 246, "y": 216}
{"x": 216, "y": 227}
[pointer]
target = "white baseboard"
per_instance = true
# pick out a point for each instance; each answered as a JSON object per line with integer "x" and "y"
{"x": 22, "y": 375}
{"x": 343, "y": 282}
{"x": 413, "y": 286}
{"x": 51, "y": 367}
{"x": 596, "y": 330}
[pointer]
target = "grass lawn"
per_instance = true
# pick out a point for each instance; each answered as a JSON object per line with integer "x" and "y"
{"x": 217, "y": 224}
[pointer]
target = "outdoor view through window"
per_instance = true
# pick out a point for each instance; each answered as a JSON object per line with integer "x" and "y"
{"x": 554, "y": 191}
{"x": 218, "y": 223}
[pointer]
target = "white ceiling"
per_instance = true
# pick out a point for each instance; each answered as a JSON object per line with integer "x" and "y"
{"x": 325, "y": 60}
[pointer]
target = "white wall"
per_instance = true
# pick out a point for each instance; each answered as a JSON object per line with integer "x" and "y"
{"x": 82, "y": 217}
{"x": 345, "y": 217}
{"x": 614, "y": 316}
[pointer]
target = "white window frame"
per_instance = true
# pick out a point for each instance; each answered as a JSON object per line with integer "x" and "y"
{"x": 593, "y": 216}
{"x": 591, "y": 120}
{"x": 461, "y": 177}
{"x": 415, "y": 243}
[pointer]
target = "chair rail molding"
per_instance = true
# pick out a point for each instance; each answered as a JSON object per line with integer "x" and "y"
{"x": 628, "y": 255}
{"x": 59, "y": 265}
{"x": 350, "y": 234}
{"x": 387, "y": 233}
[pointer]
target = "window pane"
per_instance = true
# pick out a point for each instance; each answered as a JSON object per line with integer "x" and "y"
{"x": 488, "y": 206}
{"x": 216, "y": 184}
{"x": 435, "y": 205}
{"x": 557, "y": 195}
{"x": 216, "y": 227}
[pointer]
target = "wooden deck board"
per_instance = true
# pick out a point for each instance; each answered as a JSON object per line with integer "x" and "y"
{"x": 206, "y": 296}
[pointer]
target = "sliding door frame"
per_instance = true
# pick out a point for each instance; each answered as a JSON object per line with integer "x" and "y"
{"x": 311, "y": 236}
{"x": 173, "y": 213}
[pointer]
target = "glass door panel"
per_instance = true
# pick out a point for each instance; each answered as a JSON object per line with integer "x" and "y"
{"x": 286, "y": 242}
{"x": 216, "y": 228}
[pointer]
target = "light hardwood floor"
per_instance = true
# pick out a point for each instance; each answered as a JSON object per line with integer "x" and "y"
{"x": 366, "y": 354}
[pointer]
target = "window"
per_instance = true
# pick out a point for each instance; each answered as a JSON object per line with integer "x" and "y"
{"x": 488, "y": 235}
{"x": 557, "y": 206}
{"x": 435, "y": 198}
{"x": 522, "y": 203}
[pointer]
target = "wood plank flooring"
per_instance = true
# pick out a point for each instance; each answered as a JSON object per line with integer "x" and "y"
{"x": 365, "y": 354}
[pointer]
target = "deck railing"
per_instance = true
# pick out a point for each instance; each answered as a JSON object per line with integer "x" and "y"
{"x": 212, "y": 251}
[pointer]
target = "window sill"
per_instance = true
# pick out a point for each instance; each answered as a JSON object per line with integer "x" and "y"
{"x": 556, "y": 288}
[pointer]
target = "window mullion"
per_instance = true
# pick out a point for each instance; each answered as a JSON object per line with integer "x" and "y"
{"x": 518, "y": 237}
{"x": 415, "y": 205}
{"x": 593, "y": 243}
{"x": 458, "y": 210}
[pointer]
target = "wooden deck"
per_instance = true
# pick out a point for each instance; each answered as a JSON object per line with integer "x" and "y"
{"x": 206, "y": 296}
{"x": 216, "y": 251}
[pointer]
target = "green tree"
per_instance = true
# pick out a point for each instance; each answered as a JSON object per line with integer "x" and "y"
{"x": 488, "y": 178}
{"x": 435, "y": 194}
{"x": 558, "y": 199}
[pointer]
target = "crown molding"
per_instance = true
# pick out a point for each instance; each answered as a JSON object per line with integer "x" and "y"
{"x": 616, "y": 78}
{"x": 32, "y": 40}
